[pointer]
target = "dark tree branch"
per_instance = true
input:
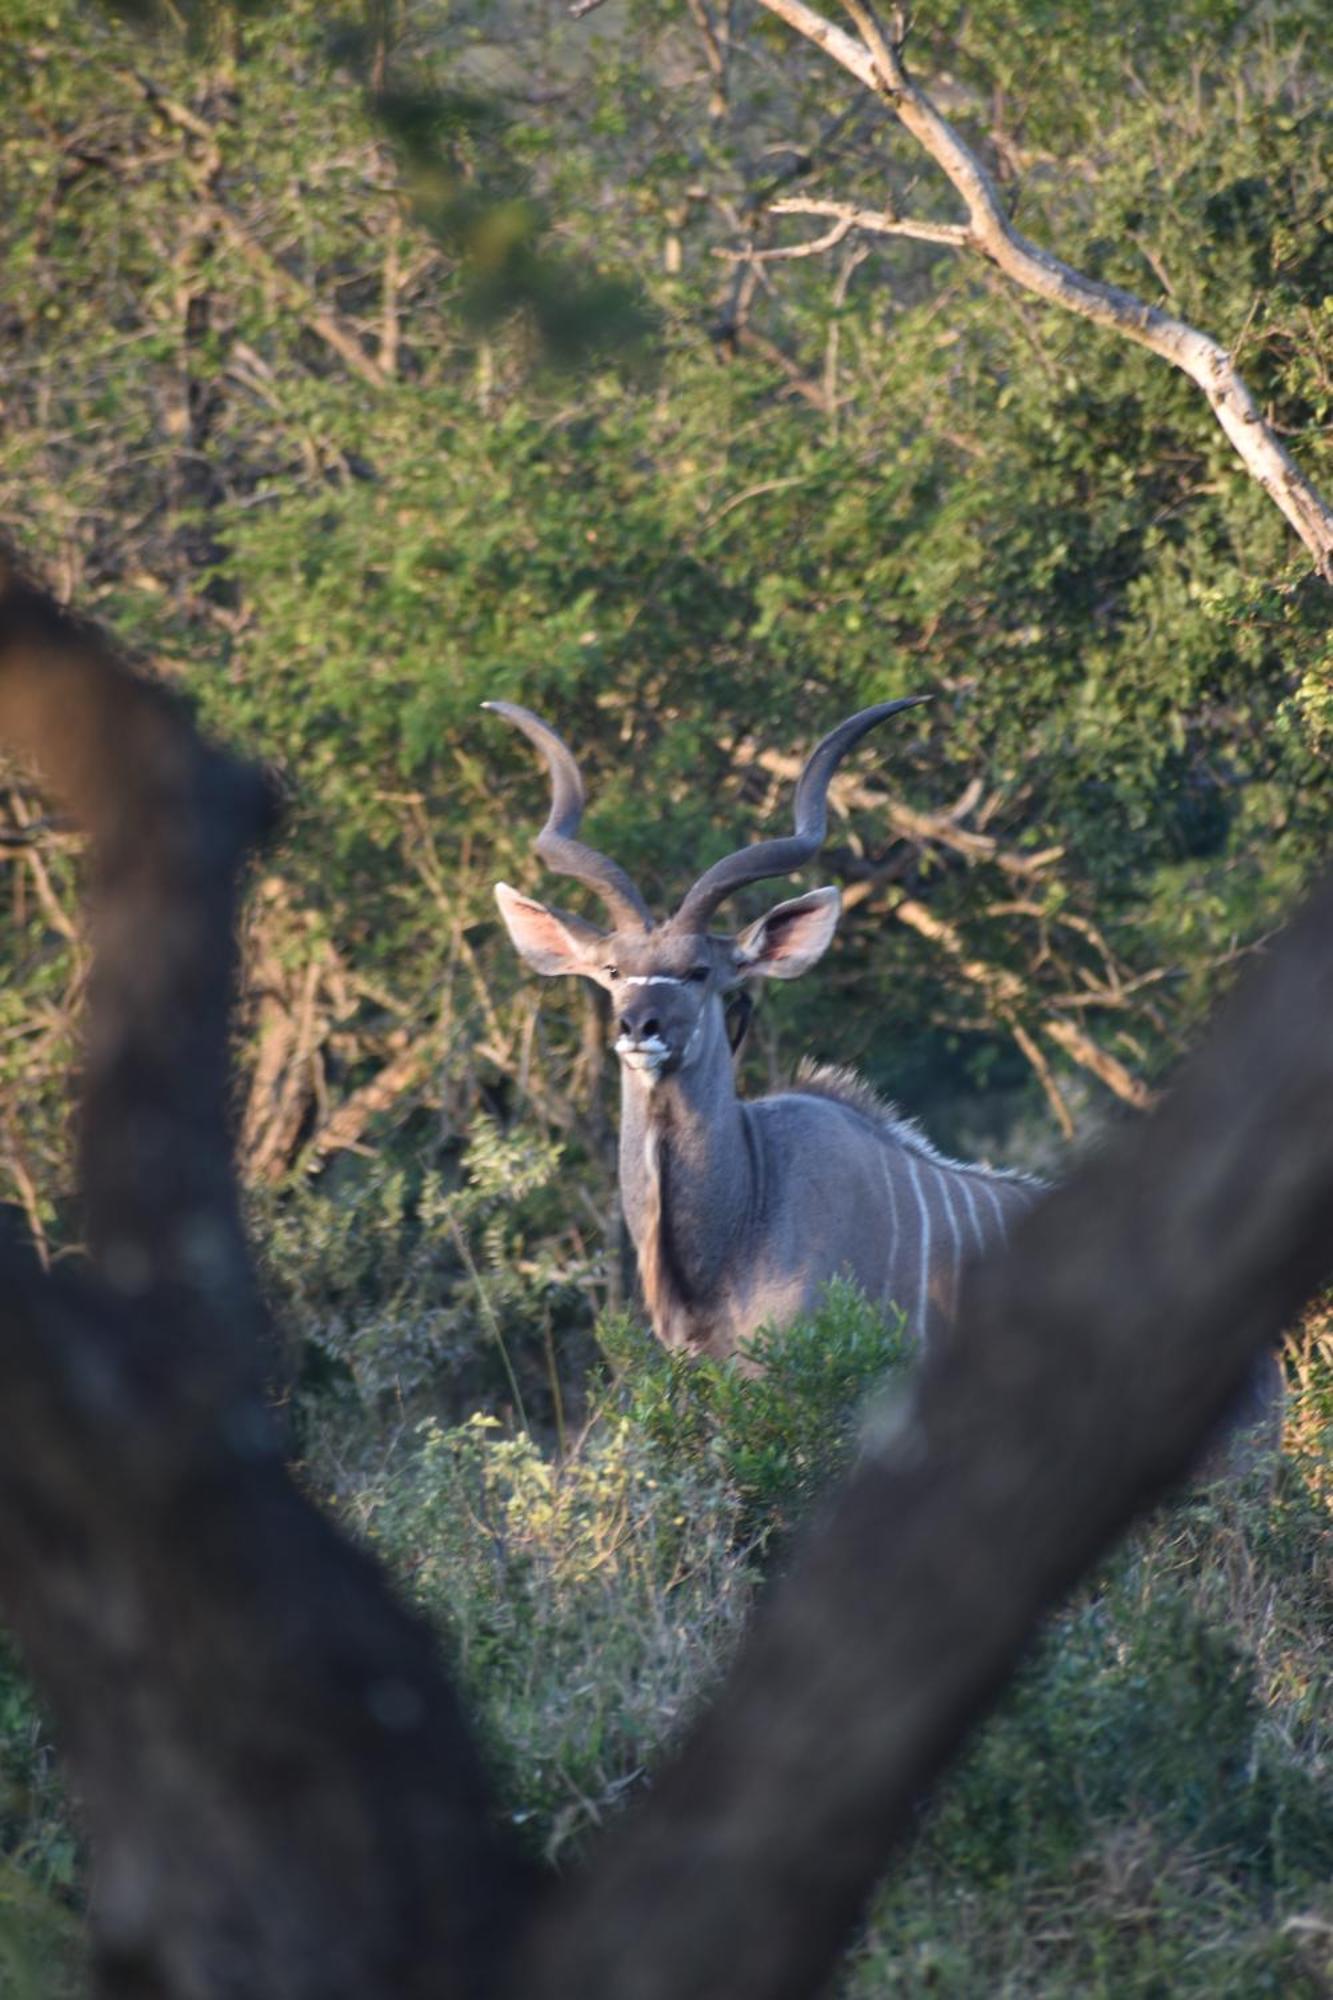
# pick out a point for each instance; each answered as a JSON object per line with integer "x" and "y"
{"x": 282, "y": 1794}
{"x": 170, "y": 821}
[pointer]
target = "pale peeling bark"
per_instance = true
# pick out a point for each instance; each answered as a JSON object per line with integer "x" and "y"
{"x": 876, "y": 62}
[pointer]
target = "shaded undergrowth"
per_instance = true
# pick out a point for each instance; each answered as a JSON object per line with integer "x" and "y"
{"x": 1149, "y": 1813}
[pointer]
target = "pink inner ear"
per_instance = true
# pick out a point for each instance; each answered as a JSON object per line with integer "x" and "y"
{"x": 538, "y": 928}
{"x": 783, "y": 935}
{"x": 549, "y": 942}
{"x": 791, "y": 937}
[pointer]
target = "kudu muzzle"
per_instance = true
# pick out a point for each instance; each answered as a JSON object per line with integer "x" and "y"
{"x": 658, "y": 1028}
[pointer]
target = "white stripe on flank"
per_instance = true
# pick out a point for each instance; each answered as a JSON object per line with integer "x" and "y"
{"x": 946, "y": 1196}
{"x": 924, "y": 1274}
{"x": 994, "y": 1200}
{"x": 972, "y": 1211}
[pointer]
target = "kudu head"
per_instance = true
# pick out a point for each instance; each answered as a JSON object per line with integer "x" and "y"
{"x": 668, "y": 982}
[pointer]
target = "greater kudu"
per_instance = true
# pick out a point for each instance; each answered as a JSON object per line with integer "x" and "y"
{"x": 741, "y": 1212}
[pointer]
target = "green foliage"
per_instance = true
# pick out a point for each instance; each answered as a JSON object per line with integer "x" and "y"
{"x": 586, "y": 1600}
{"x": 581, "y": 1601}
{"x": 1150, "y": 1812}
{"x": 775, "y": 1438}
{"x": 41, "y": 1956}
{"x": 410, "y": 1288}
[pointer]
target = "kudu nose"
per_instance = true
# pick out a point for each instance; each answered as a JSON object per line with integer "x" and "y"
{"x": 640, "y": 1023}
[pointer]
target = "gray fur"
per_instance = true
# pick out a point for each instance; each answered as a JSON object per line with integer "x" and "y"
{"x": 742, "y": 1211}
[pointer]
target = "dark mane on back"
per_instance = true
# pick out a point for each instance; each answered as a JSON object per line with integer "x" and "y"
{"x": 846, "y": 1086}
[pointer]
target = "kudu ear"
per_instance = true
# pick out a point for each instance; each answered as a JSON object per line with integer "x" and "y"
{"x": 791, "y": 938}
{"x": 549, "y": 943}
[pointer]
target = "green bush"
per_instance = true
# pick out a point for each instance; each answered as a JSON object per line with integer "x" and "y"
{"x": 419, "y": 1288}
{"x": 584, "y": 1603}
{"x": 41, "y": 1954}
{"x": 1150, "y": 1812}
{"x": 587, "y": 1599}
{"x": 776, "y": 1438}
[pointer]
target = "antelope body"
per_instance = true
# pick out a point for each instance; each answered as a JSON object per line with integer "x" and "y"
{"x": 742, "y": 1211}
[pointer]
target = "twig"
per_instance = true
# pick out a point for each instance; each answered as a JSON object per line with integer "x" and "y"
{"x": 346, "y": 1125}
{"x": 1045, "y": 1076}
{"x": 27, "y": 1194}
{"x": 812, "y": 248}
{"x": 488, "y": 1313}
{"x": 318, "y": 318}
{"x": 876, "y": 221}
{"x": 1105, "y": 1067}
{"x": 389, "y": 327}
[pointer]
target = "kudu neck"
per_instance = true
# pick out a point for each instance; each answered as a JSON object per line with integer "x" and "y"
{"x": 686, "y": 1179}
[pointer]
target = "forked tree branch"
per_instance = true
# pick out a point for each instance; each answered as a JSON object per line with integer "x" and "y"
{"x": 281, "y": 1790}
{"x": 876, "y": 61}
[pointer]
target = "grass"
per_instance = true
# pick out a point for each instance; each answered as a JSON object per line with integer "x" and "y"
{"x": 1150, "y": 1812}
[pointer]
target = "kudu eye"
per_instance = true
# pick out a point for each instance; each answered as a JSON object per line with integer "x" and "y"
{"x": 697, "y": 974}
{"x": 612, "y": 971}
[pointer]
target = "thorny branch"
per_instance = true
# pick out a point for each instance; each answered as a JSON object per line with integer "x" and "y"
{"x": 214, "y": 213}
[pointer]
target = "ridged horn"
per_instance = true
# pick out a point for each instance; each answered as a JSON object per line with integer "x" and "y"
{"x": 556, "y": 843}
{"x": 779, "y": 857}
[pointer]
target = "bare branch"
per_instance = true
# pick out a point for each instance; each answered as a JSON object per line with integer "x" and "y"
{"x": 877, "y": 62}
{"x": 715, "y": 53}
{"x": 1004, "y": 989}
{"x": 1033, "y": 1053}
{"x": 812, "y": 248}
{"x": 403, "y": 1073}
{"x": 941, "y": 828}
{"x": 1090, "y": 1055}
{"x": 317, "y": 317}
{"x": 875, "y": 221}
